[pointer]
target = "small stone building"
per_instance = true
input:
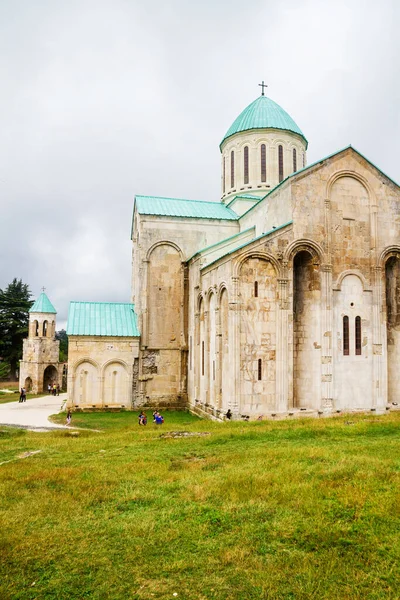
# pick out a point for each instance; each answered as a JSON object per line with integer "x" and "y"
{"x": 40, "y": 364}
{"x": 103, "y": 355}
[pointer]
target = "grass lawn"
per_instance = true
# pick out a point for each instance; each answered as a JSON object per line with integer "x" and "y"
{"x": 285, "y": 510}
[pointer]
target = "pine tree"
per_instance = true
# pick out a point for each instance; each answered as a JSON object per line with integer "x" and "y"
{"x": 15, "y": 303}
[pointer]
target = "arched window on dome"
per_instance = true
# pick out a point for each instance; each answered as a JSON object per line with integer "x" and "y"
{"x": 263, "y": 163}
{"x": 294, "y": 160}
{"x": 223, "y": 175}
{"x": 280, "y": 162}
{"x": 232, "y": 169}
{"x": 246, "y": 164}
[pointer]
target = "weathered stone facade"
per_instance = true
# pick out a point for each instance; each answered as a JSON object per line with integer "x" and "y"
{"x": 283, "y": 299}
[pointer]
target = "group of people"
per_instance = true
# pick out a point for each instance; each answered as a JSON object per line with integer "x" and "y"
{"x": 157, "y": 418}
{"x": 54, "y": 389}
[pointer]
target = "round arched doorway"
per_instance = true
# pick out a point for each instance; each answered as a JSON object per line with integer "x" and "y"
{"x": 28, "y": 384}
{"x": 50, "y": 377}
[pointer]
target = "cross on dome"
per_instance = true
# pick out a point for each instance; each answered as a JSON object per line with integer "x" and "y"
{"x": 262, "y": 85}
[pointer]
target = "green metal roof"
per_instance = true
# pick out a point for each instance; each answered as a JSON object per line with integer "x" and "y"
{"x": 42, "y": 305}
{"x": 115, "y": 319}
{"x": 177, "y": 207}
{"x": 263, "y": 113}
{"x": 263, "y": 235}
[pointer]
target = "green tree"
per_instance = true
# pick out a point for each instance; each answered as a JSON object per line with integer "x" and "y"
{"x": 15, "y": 302}
{"x": 62, "y": 336}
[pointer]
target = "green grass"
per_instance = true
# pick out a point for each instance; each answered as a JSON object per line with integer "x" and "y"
{"x": 285, "y": 510}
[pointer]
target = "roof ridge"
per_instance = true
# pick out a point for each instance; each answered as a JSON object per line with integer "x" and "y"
{"x": 179, "y": 199}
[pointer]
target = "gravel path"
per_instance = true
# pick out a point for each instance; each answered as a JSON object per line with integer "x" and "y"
{"x": 34, "y": 413}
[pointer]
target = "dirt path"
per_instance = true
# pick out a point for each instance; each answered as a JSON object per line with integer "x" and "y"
{"x": 34, "y": 413}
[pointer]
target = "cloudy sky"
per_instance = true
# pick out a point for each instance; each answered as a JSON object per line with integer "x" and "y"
{"x": 104, "y": 99}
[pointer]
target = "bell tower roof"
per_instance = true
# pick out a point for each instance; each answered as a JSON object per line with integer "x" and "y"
{"x": 263, "y": 113}
{"x": 42, "y": 305}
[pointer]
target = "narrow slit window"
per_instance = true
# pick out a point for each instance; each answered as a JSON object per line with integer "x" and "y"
{"x": 232, "y": 169}
{"x": 223, "y": 175}
{"x": 346, "y": 339}
{"x": 280, "y": 162}
{"x": 358, "y": 336}
{"x": 259, "y": 369}
{"x": 294, "y": 160}
{"x": 246, "y": 164}
{"x": 263, "y": 163}
{"x": 202, "y": 358}
{"x": 256, "y": 289}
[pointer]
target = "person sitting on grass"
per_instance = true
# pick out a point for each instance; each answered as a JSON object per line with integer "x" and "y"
{"x": 142, "y": 418}
{"x": 158, "y": 419}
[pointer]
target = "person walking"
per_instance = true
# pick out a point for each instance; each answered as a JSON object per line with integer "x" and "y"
{"x": 69, "y": 417}
{"x": 21, "y": 396}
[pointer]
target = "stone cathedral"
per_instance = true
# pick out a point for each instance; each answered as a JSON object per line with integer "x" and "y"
{"x": 282, "y": 297}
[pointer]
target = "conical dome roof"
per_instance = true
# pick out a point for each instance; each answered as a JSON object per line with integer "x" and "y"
{"x": 42, "y": 305}
{"x": 263, "y": 113}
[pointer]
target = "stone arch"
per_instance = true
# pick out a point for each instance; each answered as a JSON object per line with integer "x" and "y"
{"x": 28, "y": 384}
{"x": 164, "y": 243}
{"x": 237, "y": 266}
{"x": 357, "y": 273}
{"x": 45, "y": 327}
{"x": 165, "y": 296}
{"x": 223, "y": 366}
{"x": 392, "y": 309}
{"x": 388, "y": 253}
{"x": 35, "y": 328}
{"x": 50, "y": 376}
{"x": 258, "y": 328}
{"x": 212, "y": 346}
{"x": 306, "y": 325}
{"x": 304, "y": 245}
{"x": 86, "y": 390}
{"x": 115, "y": 383}
{"x": 353, "y": 175}
{"x": 85, "y": 359}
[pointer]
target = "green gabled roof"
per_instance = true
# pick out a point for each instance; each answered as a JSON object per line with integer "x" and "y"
{"x": 114, "y": 319}
{"x": 43, "y": 305}
{"x": 263, "y": 113}
{"x": 177, "y": 207}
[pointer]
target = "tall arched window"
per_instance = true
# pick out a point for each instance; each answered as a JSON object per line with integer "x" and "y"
{"x": 263, "y": 163}
{"x": 35, "y": 328}
{"x": 44, "y": 328}
{"x": 256, "y": 289}
{"x": 223, "y": 175}
{"x": 246, "y": 164}
{"x": 358, "y": 336}
{"x": 346, "y": 339}
{"x": 232, "y": 169}
{"x": 259, "y": 369}
{"x": 280, "y": 162}
{"x": 294, "y": 160}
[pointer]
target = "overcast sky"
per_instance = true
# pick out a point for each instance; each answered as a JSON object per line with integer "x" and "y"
{"x": 104, "y": 99}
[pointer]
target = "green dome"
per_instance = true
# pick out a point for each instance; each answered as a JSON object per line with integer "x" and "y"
{"x": 263, "y": 113}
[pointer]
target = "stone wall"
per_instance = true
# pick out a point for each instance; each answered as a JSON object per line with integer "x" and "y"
{"x": 100, "y": 372}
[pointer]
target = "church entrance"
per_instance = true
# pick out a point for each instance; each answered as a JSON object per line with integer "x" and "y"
{"x": 50, "y": 377}
{"x": 306, "y": 331}
{"x": 392, "y": 278}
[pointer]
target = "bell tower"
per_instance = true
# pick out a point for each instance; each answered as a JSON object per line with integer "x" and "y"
{"x": 40, "y": 365}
